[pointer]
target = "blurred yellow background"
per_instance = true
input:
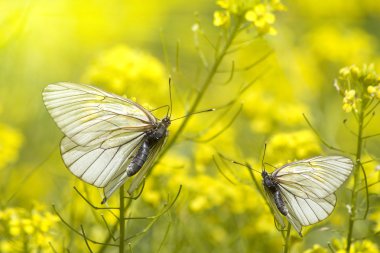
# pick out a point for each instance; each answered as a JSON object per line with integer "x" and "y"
{"x": 131, "y": 48}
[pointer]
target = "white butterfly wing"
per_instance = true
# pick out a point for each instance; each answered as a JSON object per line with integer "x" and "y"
{"x": 97, "y": 165}
{"x": 90, "y": 116}
{"x": 272, "y": 205}
{"x": 307, "y": 211}
{"x": 315, "y": 178}
{"x": 145, "y": 170}
{"x": 102, "y": 131}
{"x": 121, "y": 175}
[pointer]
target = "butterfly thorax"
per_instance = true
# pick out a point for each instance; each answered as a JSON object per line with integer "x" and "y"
{"x": 159, "y": 131}
{"x": 269, "y": 182}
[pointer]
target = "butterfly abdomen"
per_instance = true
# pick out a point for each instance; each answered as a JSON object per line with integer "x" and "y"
{"x": 152, "y": 138}
{"x": 272, "y": 186}
{"x": 139, "y": 159}
{"x": 280, "y": 203}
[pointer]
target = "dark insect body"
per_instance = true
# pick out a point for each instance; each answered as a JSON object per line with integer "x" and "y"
{"x": 272, "y": 186}
{"x": 152, "y": 138}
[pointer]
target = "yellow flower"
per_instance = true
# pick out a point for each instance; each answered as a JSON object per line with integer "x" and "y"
{"x": 221, "y": 18}
{"x": 233, "y": 6}
{"x": 366, "y": 246}
{"x": 33, "y": 227}
{"x": 198, "y": 204}
{"x": 293, "y": 145}
{"x": 223, "y": 3}
{"x": 344, "y": 72}
{"x": 10, "y": 143}
{"x": 6, "y": 246}
{"x": 349, "y": 94}
{"x": 347, "y": 107}
{"x": 277, "y": 5}
{"x": 262, "y": 19}
{"x": 27, "y": 226}
{"x": 14, "y": 227}
{"x": 124, "y": 70}
{"x": 355, "y": 71}
{"x": 316, "y": 249}
{"x": 371, "y": 90}
{"x": 374, "y": 91}
{"x": 349, "y": 101}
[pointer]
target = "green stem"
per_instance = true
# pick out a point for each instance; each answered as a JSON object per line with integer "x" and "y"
{"x": 122, "y": 219}
{"x": 354, "y": 193}
{"x": 287, "y": 241}
{"x": 206, "y": 83}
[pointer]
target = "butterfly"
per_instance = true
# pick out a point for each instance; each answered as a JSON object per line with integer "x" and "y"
{"x": 108, "y": 138}
{"x": 304, "y": 191}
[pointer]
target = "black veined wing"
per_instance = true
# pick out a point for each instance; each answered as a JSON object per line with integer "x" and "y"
{"x": 303, "y": 191}
{"x": 108, "y": 138}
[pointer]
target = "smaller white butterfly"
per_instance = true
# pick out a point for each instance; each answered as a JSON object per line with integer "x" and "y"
{"x": 304, "y": 191}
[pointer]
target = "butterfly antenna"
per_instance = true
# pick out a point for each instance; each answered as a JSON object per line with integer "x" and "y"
{"x": 187, "y": 115}
{"x": 169, "y": 113}
{"x": 262, "y": 161}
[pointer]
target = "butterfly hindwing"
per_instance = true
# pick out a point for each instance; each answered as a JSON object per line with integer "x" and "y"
{"x": 272, "y": 205}
{"x": 307, "y": 211}
{"x": 96, "y": 165}
{"x": 145, "y": 170}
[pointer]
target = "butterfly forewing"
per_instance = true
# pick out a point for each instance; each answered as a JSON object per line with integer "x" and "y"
{"x": 317, "y": 177}
{"x": 89, "y": 116}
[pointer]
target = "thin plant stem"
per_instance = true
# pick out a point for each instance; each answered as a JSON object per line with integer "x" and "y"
{"x": 121, "y": 219}
{"x": 287, "y": 239}
{"x": 205, "y": 84}
{"x": 354, "y": 194}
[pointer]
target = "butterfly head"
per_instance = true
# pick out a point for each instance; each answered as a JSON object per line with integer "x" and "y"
{"x": 269, "y": 181}
{"x": 166, "y": 122}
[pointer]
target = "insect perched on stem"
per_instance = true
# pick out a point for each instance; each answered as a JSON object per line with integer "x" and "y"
{"x": 108, "y": 138}
{"x": 304, "y": 191}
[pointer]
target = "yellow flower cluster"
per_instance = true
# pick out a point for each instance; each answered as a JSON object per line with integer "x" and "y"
{"x": 349, "y": 101}
{"x": 358, "y": 86}
{"x": 26, "y": 230}
{"x": 10, "y": 143}
{"x": 260, "y": 15}
{"x": 200, "y": 178}
{"x": 267, "y": 115}
{"x": 364, "y": 246}
{"x": 374, "y": 91}
{"x": 298, "y": 145}
{"x": 339, "y": 246}
{"x": 124, "y": 70}
{"x": 262, "y": 18}
{"x": 316, "y": 249}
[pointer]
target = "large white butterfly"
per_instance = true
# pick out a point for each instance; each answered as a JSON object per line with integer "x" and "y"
{"x": 304, "y": 191}
{"x": 108, "y": 138}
